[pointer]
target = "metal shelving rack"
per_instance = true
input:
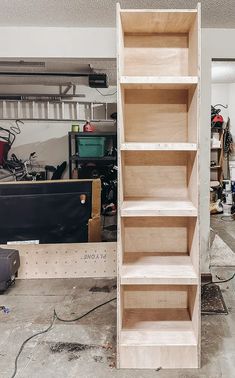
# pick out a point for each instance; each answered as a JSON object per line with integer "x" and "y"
{"x": 75, "y": 160}
{"x": 216, "y": 171}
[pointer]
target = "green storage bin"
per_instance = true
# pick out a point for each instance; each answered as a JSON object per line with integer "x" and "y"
{"x": 91, "y": 146}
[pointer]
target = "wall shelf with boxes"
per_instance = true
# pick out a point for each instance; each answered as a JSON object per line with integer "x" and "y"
{"x": 158, "y": 238}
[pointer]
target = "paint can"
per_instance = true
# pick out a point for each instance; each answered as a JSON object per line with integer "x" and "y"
{"x": 228, "y": 198}
{"x": 75, "y": 128}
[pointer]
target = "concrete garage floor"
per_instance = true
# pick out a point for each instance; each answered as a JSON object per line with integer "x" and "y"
{"x": 59, "y": 353}
{"x": 225, "y": 229}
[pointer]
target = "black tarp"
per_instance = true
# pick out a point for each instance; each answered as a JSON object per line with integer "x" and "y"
{"x": 50, "y": 212}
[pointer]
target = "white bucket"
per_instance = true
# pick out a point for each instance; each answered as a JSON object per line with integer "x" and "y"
{"x": 232, "y": 170}
{"x": 228, "y": 198}
{"x": 227, "y": 209}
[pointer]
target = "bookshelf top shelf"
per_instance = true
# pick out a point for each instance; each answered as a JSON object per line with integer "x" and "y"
{"x": 157, "y": 21}
{"x": 143, "y": 268}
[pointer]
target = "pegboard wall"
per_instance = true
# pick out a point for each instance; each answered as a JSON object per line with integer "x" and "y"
{"x": 66, "y": 260}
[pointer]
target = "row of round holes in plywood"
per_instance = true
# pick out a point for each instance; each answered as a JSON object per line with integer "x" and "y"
{"x": 75, "y": 251}
{"x": 58, "y": 262}
{"x": 77, "y": 274}
{"x": 36, "y": 273}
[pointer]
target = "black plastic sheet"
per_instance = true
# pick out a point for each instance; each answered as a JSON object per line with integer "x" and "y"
{"x": 49, "y": 212}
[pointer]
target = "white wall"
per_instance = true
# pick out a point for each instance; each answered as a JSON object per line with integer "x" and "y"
{"x": 225, "y": 94}
{"x": 42, "y": 42}
{"x": 220, "y": 95}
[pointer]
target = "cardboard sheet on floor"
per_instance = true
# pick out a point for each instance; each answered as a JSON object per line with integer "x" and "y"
{"x": 221, "y": 254}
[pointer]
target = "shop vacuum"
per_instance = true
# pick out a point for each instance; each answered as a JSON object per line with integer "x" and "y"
{"x": 9, "y": 266}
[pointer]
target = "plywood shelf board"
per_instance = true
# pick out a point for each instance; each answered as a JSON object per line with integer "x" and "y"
{"x": 157, "y": 207}
{"x": 138, "y": 146}
{"x": 153, "y": 254}
{"x": 144, "y": 269}
{"x": 158, "y": 82}
{"x": 139, "y": 318}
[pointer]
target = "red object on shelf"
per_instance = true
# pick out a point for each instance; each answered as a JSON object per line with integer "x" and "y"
{"x": 88, "y": 127}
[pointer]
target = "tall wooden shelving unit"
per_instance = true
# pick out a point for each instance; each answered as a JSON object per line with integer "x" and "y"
{"x": 158, "y": 231}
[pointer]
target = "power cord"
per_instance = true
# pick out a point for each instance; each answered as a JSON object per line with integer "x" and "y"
{"x": 219, "y": 282}
{"x": 16, "y": 129}
{"x": 82, "y": 316}
{"x": 27, "y": 340}
{"x": 55, "y": 317}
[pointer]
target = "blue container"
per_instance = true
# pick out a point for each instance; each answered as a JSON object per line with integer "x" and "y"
{"x": 91, "y": 146}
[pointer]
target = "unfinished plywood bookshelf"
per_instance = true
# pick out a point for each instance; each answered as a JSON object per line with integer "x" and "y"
{"x": 158, "y": 232}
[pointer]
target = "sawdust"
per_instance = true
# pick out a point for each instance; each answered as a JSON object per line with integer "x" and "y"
{"x": 69, "y": 347}
{"x": 103, "y": 289}
{"x": 98, "y": 359}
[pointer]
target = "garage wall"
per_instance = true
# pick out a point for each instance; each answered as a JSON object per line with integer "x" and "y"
{"x": 225, "y": 94}
{"x": 50, "y": 139}
{"x": 220, "y": 95}
{"x": 44, "y": 42}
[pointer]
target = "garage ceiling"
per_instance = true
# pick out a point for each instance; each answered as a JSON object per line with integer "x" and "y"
{"x": 101, "y": 13}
